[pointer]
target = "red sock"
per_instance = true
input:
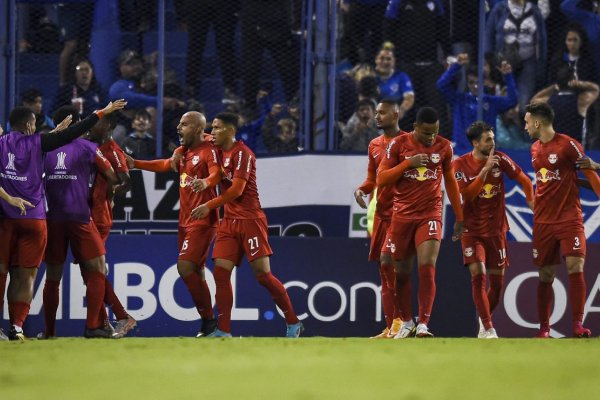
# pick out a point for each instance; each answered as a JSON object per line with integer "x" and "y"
{"x": 404, "y": 296}
{"x": 95, "y": 298}
{"x": 426, "y": 292}
{"x": 481, "y": 301}
{"x": 495, "y": 291}
{"x": 280, "y": 296}
{"x": 2, "y": 291}
{"x": 388, "y": 293}
{"x": 545, "y": 298}
{"x": 200, "y": 294}
{"x": 223, "y": 297}
{"x": 18, "y": 312}
{"x": 51, "y": 300}
{"x": 577, "y": 291}
{"x": 111, "y": 300}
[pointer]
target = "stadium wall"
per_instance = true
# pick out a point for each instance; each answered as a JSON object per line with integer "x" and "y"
{"x": 333, "y": 288}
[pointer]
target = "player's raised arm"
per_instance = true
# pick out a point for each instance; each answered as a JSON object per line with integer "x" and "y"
{"x": 160, "y": 165}
{"x": 471, "y": 190}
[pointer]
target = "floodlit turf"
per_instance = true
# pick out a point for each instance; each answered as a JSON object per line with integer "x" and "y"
{"x": 308, "y": 368}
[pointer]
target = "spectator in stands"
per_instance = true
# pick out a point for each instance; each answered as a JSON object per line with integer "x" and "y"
{"x": 267, "y": 24}
{"x": 419, "y": 31}
{"x": 509, "y": 132}
{"x": 84, "y": 92}
{"x": 516, "y": 30}
{"x": 570, "y": 99}
{"x": 140, "y": 144}
{"x": 279, "y": 132}
{"x": 75, "y": 20}
{"x": 361, "y": 128}
{"x": 362, "y": 20}
{"x": 199, "y": 16}
{"x": 586, "y": 13}
{"x": 393, "y": 84}
{"x": 575, "y": 54}
{"x": 32, "y": 99}
{"x": 465, "y": 104}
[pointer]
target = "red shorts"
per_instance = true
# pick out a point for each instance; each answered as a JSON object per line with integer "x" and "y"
{"x": 84, "y": 239}
{"x": 22, "y": 242}
{"x": 488, "y": 250}
{"x": 238, "y": 236}
{"x": 380, "y": 228}
{"x": 104, "y": 231}
{"x": 552, "y": 240}
{"x": 194, "y": 242}
{"x": 404, "y": 236}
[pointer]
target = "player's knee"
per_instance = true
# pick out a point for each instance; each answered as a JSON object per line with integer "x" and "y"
{"x": 546, "y": 275}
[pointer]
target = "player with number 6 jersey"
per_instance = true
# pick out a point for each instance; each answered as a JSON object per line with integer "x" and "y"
{"x": 243, "y": 229}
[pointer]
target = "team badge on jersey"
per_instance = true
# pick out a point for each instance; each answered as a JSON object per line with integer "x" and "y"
{"x": 535, "y": 253}
{"x": 435, "y": 158}
{"x": 226, "y": 162}
{"x": 195, "y": 160}
{"x": 459, "y": 175}
{"x": 553, "y": 158}
{"x": 469, "y": 251}
{"x": 496, "y": 172}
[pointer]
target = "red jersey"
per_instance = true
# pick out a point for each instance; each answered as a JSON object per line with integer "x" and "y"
{"x": 486, "y": 214}
{"x": 101, "y": 207}
{"x": 385, "y": 194}
{"x": 556, "y": 191}
{"x": 418, "y": 193}
{"x": 195, "y": 163}
{"x": 240, "y": 162}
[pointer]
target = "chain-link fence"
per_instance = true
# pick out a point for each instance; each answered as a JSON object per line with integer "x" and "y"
{"x": 426, "y": 52}
{"x": 246, "y": 56}
{"x": 232, "y": 55}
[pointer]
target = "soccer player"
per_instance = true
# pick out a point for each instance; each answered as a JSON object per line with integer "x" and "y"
{"x": 23, "y": 237}
{"x": 480, "y": 175}
{"x": 199, "y": 161}
{"x": 387, "y": 115}
{"x": 102, "y": 202}
{"x": 243, "y": 229}
{"x": 557, "y": 217}
{"x": 414, "y": 164}
{"x": 69, "y": 170}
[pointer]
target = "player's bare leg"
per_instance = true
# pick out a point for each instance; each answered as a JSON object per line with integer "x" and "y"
{"x": 223, "y": 297}
{"x": 577, "y": 293}
{"x": 19, "y": 294}
{"x": 262, "y": 271}
{"x": 545, "y": 299}
{"x": 193, "y": 276}
{"x": 480, "y": 298}
{"x": 54, "y": 273}
{"x": 427, "y": 253}
{"x": 95, "y": 270}
{"x": 403, "y": 291}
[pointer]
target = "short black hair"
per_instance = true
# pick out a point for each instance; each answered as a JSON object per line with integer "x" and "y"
{"x": 390, "y": 101}
{"x": 365, "y": 103}
{"x": 541, "y": 110}
{"x": 63, "y": 112}
{"x": 142, "y": 112}
{"x": 368, "y": 87}
{"x": 19, "y": 116}
{"x": 228, "y": 118}
{"x": 29, "y": 95}
{"x": 427, "y": 115}
{"x": 476, "y": 129}
{"x": 564, "y": 75}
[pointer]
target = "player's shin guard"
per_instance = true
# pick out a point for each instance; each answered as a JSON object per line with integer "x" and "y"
{"x": 95, "y": 299}
{"x": 112, "y": 301}
{"x": 51, "y": 300}
{"x": 426, "y": 292}
{"x": 404, "y": 296}
{"x": 200, "y": 294}
{"x": 280, "y": 296}
{"x": 388, "y": 282}
{"x": 545, "y": 299}
{"x": 224, "y": 297}
{"x": 481, "y": 300}
{"x": 495, "y": 290}
{"x": 577, "y": 289}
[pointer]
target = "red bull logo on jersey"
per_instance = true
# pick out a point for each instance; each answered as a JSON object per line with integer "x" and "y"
{"x": 545, "y": 175}
{"x": 185, "y": 180}
{"x": 488, "y": 191}
{"x": 421, "y": 174}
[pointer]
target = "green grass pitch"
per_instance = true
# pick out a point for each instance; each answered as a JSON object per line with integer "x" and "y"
{"x": 308, "y": 368}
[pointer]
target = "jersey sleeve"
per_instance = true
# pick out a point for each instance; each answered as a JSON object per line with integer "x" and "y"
{"x": 448, "y": 155}
{"x": 509, "y": 167}
{"x": 392, "y": 156}
{"x": 243, "y": 162}
{"x": 117, "y": 159}
{"x": 574, "y": 150}
{"x": 460, "y": 174}
{"x": 102, "y": 164}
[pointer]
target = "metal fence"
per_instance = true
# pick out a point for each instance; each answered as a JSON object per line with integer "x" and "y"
{"x": 303, "y": 74}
